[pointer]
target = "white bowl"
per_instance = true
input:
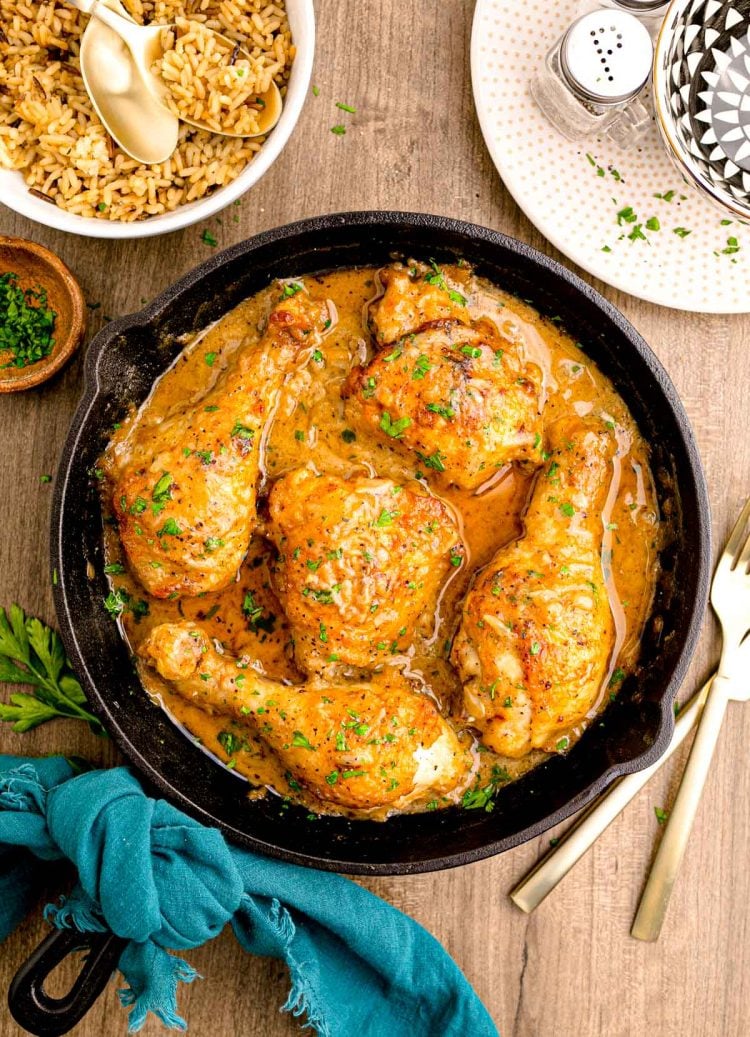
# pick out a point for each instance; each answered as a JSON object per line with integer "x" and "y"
{"x": 15, "y": 194}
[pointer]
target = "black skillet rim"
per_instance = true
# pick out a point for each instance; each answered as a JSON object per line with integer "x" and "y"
{"x": 477, "y": 235}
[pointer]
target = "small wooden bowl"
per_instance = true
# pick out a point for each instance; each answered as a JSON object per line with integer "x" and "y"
{"x": 36, "y": 265}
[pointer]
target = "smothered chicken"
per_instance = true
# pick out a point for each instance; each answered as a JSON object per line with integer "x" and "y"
{"x": 360, "y": 745}
{"x": 361, "y": 565}
{"x": 186, "y": 499}
{"x": 537, "y": 632}
{"x": 451, "y": 393}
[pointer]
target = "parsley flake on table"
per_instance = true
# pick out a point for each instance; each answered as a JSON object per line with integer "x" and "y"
{"x": 208, "y": 239}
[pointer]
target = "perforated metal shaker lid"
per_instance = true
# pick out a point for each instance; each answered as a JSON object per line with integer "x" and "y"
{"x": 606, "y": 56}
{"x": 640, "y": 6}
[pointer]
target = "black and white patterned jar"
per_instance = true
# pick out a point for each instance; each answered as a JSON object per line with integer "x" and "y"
{"x": 702, "y": 97}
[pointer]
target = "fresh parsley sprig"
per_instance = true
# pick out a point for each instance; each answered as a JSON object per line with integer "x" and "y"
{"x": 32, "y": 654}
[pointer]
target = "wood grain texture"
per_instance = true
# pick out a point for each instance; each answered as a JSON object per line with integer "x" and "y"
{"x": 570, "y": 969}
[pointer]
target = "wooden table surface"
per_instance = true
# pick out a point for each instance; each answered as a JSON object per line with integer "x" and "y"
{"x": 570, "y": 969}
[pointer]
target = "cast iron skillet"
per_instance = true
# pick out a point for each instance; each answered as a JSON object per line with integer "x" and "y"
{"x": 122, "y": 363}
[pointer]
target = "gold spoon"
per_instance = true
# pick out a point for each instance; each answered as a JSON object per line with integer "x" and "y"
{"x": 129, "y": 97}
{"x": 141, "y": 124}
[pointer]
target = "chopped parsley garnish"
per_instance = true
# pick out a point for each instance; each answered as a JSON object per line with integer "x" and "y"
{"x": 339, "y": 130}
{"x": 210, "y": 358}
{"x": 208, "y": 239}
{"x": 229, "y": 742}
{"x": 162, "y": 492}
{"x": 652, "y": 223}
{"x": 317, "y": 356}
{"x": 421, "y": 368}
{"x": 394, "y": 429}
{"x": 471, "y": 351}
{"x": 535, "y": 648}
{"x": 242, "y": 431}
{"x": 445, "y": 411}
{"x": 169, "y": 529}
{"x": 300, "y": 742}
{"x": 562, "y": 744}
{"x": 26, "y": 323}
{"x": 385, "y": 518}
{"x": 114, "y": 569}
{"x": 290, "y": 289}
{"x": 434, "y": 461}
{"x": 662, "y": 815}
{"x": 346, "y": 107}
{"x": 212, "y": 543}
{"x": 436, "y": 277}
{"x": 681, "y": 232}
{"x": 567, "y": 509}
{"x": 254, "y": 613}
{"x": 456, "y": 297}
{"x": 480, "y": 797}
{"x": 617, "y": 677}
{"x": 115, "y": 602}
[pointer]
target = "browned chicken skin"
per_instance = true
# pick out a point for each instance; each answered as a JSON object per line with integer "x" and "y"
{"x": 361, "y": 746}
{"x": 537, "y": 632}
{"x": 452, "y": 392}
{"x": 186, "y": 501}
{"x": 361, "y": 564}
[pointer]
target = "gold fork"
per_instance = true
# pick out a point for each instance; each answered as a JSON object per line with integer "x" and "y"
{"x": 730, "y": 597}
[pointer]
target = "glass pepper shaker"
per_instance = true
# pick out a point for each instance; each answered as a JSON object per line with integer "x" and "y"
{"x": 591, "y": 78}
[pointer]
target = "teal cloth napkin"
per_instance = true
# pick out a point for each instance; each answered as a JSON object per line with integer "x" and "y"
{"x": 162, "y": 881}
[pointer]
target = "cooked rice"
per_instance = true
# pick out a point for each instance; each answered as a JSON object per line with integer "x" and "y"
{"x": 208, "y": 83}
{"x": 50, "y": 133}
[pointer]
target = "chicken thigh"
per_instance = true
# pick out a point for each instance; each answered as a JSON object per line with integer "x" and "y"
{"x": 185, "y": 502}
{"x": 361, "y": 564}
{"x": 362, "y": 745}
{"x": 451, "y": 392}
{"x": 537, "y": 631}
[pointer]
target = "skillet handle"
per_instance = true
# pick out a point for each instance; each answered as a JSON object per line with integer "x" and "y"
{"x": 46, "y": 1016}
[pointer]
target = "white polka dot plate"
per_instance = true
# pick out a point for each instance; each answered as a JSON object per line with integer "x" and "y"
{"x": 626, "y": 217}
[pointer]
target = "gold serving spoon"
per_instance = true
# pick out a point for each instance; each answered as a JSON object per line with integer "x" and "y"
{"x": 141, "y": 124}
{"x": 117, "y": 55}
